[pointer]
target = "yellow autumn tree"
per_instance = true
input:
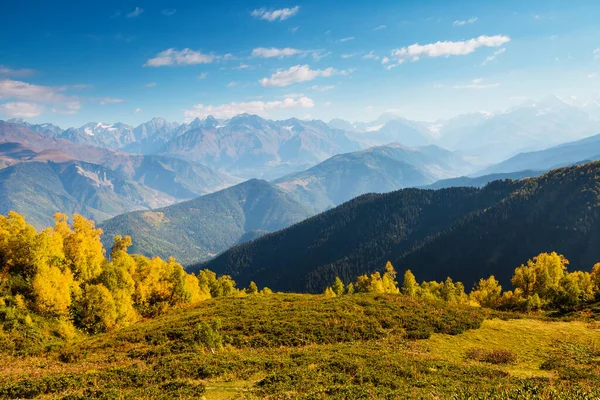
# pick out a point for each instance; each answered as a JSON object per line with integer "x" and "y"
{"x": 17, "y": 242}
{"x": 83, "y": 248}
{"x": 97, "y": 311}
{"x": 487, "y": 293}
{"x": 410, "y": 286}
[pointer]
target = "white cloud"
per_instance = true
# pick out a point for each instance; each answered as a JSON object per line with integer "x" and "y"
{"x": 385, "y": 60}
{"x": 493, "y": 56}
{"x": 107, "y": 100}
{"x": 350, "y": 55}
{"x": 371, "y": 55}
{"x": 464, "y": 21}
{"x": 445, "y": 49}
{"x": 298, "y": 73}
{"x": 346, "y": 39}
{"x": 380, "y": 27}
{"x": 150, "y": 84}
{"x": 318, "y": 88}
{"x": 21, "y": 109}
{"x": 294, "y": 95}
{"x": 135, "y": 13}
{"x": 596, "y": 53}
{"x": 137, "y": 110}
{"x": 168, "y": 12}
{"x": 26, "y": 92}
{"x": 281, "y": 14}
{"x": 275, "y": 52}
{"x": 252, "y": 107}
{"x": 242, "y": 66}
{"x": 592, "y": 75}
{"x": 368, "y": 108}
{"x": 319, "y": 54}
{"x": 186, "y": 56}
{"x": 9, "y": 72}
{"x": 202, "y": 76}
{"x": 232, "y": 84}
{"x": 477, "y": 84}
{"x": 295, "y": 29}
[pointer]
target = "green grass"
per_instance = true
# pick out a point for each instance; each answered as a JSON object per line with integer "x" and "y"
{"x": 310, "y": 347}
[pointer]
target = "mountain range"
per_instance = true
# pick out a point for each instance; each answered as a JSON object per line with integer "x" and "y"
{"x": 465, "y": 233}
{"x": 107, "y": 184}
{"x": 158, "y": 163}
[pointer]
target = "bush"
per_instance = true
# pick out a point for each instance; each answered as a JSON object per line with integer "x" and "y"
{"x": 492, "y": 356}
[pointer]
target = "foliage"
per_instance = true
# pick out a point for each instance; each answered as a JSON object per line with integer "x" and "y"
{"x": 63, "y": 273}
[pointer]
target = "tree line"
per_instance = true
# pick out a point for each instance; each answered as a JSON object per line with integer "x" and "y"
{"x": 63, "y": 272}
{"x": 542, "y": 283}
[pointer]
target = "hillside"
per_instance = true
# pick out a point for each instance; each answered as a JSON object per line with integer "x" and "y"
{"x": 587, "y": 149}
{"x": 375, "y": 170}
{"x": 466, "y": 233}
{"x": 201, "y": 228}
{"x": 38, "y": 190}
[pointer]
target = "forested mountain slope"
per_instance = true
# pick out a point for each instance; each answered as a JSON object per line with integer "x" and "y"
{"x": 465, "y": 233}
{"x": 201, "y": 228}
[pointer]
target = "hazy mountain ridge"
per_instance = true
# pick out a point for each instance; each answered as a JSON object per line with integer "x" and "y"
{"x": 587, "y": 149}
{"x": 375, "y": 170}
{"x": 250, "y": 146}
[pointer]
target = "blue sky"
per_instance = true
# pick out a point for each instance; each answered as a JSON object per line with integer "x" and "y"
{"x": 71, "y": 62}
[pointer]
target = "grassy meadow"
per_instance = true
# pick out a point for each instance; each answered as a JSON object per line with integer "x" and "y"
{"x": 287, "y": 346}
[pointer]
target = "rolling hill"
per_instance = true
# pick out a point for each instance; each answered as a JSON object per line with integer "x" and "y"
{"x": 466, "y": 233}
{"x": 201, "y": 228}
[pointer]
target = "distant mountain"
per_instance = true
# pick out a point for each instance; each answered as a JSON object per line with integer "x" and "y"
{"x": 40, "y": 189}
{"x": 375, "y": 170}
{"x": 481, "y": 181}
{"x": 465, "y": 233}
{"x": 45, "y": 129}
{"x": 202, "y": 228}
{"x": 152, "y": 135}
{"x": 112, "y": 136}
{"x": 390, "y": 128}
{"x": 40, "y": 142}
{"x": 250, "y": 146}
{"x": 338, "y": 123}
{"x": 587, "y": 149}
{"x": 534, "y": 125}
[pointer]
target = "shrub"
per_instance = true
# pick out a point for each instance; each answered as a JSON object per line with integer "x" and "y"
{"x": 492, "y": 356}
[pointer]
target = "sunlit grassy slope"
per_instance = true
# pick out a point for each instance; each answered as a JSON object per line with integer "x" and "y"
{"x": 306, "y": 346}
